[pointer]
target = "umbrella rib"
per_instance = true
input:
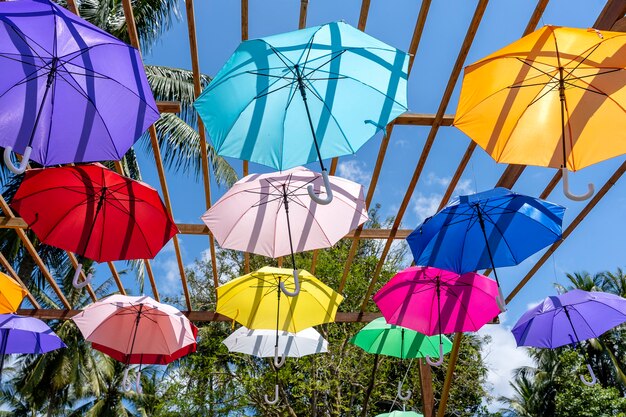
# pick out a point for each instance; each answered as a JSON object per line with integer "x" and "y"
{"x": 65, "y": 217}
{"x": 23, "y": 81}
{"x": 268, "y": 92}
{"x": 24, "y": 38}
{"x": 606, "y": 95}
{"x": 5, "y": 55}
{"x": 490, "y": 220}
{"x": 51, "y": 118}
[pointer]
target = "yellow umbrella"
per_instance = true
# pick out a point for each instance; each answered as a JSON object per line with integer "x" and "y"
{"x": 11, "y": 294}
{"x": 553, "y": 98}
{"x": 255, "y": 300}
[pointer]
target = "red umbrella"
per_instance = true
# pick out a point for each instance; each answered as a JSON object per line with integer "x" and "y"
{"x": 94, "y": 212}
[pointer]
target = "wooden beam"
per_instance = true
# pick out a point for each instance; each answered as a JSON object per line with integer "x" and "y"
{"x": 304, "y": 6}
{"x": 422, "y": 119}
{"x": 168, "y": 106}
{"x": 134, "y": 38}
{"x": 426, "y": 386}
{"x": 365, "y": 9}
{"x": 445, "y": 392}
{"x": 244, "y": 20}
{"x": 447, "y": 95}
{"x": 613, "y": 11}
{"x": 417, "y": 32}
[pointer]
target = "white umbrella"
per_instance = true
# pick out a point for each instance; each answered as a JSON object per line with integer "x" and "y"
{"x": 262, "y": 343}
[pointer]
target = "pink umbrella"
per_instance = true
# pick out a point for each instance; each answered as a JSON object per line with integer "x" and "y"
{"x": 137, "y": 330}
{"x": 435, "y": 301}
{"x": 260, "y": 210}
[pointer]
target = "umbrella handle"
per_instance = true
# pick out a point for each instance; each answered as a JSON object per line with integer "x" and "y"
{"x": 568, "y": 194}
{"x": 275, "y": 400}
{"x": 279, "y": 361}
{"x": 439, "y": 361}
{"x": 23, "y": 164}
{"x": 296, "y": 282}
{"x": 593, "y": 377}
{"x": 329, "y": 191}
{"x": 138, "y": 383}
{"x": 126, "y": 384}
{"x": 500, "y": 300}
{"x": 87, "y": 281}
{"x": 406, "y": 396}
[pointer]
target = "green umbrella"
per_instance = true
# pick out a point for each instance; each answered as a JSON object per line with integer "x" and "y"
{"x": 401, "y": 414}
{"x": 382, "y": 338}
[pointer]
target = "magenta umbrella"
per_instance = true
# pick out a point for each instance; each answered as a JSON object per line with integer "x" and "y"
{"x": 435, "y": 301}
{"x": 272, "y": 214}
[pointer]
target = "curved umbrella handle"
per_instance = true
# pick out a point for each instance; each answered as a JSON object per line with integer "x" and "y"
{"x": 593, "y": 377}
{"x": 126, "y": 384}
{"x": 403, "y": 397}
{"x": 279, "y": 361}
{"x": 296, "y": 282}
{"x": 138, "y": 383}
{"x": 329, "y": 191}
{"x": 275, "y": 400}
{"x": 87, "y": 281}
{"x": 568, "y": 194}
{"x": 439, "y": 361}
{"x": 25, "y": 158}
{"x": 501, "y": 301}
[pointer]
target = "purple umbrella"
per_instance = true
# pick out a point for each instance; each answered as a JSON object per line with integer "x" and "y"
{"x": 20, "y": 334}
{"x": 69, "y": 91}
{"x": 569, "y": 319}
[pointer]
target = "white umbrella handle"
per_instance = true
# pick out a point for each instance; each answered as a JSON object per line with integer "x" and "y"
{"x": 406, "y": 396}
{"x": 296, "y": 282}
{"x": 568, "y": 194}
{"x": 593, "y": 377}
{"x": 439, "y": 361}
{"x": 87, "y": 281}
{"x": 138, "y": 383}
{"x": 23, "y": 164}
{"x": 126, "y": 384}
{"x": 329, "y": 191}
{"x": 279, "y": 361}
{"x": 275, "y": 400}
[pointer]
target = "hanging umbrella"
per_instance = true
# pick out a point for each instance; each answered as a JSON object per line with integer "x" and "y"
{"x": 11, "y": 294}
{"x": 490, "y": 229}
{"x": 261, "y": 342}
{"x": 70, "y": 92}
{"x": 403, "y": 413}
{"x": 434, "y": 301}
{"x": 304, "y": 96}
{"x": 137, "y": 330}
{"x": 97, "y": 213}
{"x": 381, "y": 338}
{"x": 25, "y": 335}
{"x": 552, "y": 98}
{"x": 254, "y": 300}
{"x": 568, "y": 319}
{"x": 260, "y": 209}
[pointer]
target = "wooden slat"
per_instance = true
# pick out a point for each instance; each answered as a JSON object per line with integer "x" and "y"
{"x": 613, "y": 11}
{"x": 447, "y": 95}
{"x": 365, "y": 9}
{"x": 426, "y": 386}
{"x": 197, "y": 90}
{"x": 7, "y": 266}
{"x": 134, "y": 38}
{"x": 304, "y": 7}
{"x": 445, "y": 392}
{"x": 33, "y": 252}
{"x": 116, "y": 278}
{"x": 423, "y": 119}
{"x": 245, "y": 164}
{"x": 168, "y": 106}
{"x": 415, "y": 41}
{"x": 83, "y": 276}
{"x": 244, "y": 20}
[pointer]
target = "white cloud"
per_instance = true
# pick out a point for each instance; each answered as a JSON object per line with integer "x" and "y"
{"x": 433, "y": 179}
{"x": 167, "y": 273}
{"x": 464, "y": 187}
{"x": 425, "y": 205}
{"x": 354, "y": 171}
{"x": 502, "y": 357}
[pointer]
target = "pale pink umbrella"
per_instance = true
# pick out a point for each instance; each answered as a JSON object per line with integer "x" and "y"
{"x": 137, "y": 330}
{"x": 435, "y": 301}
{"x": 272, "y": 214}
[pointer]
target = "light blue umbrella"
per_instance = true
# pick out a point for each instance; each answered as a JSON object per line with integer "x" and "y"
{"x": 304, "y": 96}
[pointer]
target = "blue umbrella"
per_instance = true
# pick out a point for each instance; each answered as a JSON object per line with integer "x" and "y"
{"x": 303, "y": 96}
{"x": 489, "y": 229}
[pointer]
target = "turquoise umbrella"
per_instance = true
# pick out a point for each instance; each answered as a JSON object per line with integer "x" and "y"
{"x": 304, "y": 96}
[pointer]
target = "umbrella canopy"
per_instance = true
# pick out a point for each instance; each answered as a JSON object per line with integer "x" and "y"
{"x": 434, "y": 301}
{"x": 137, "y": 330}
{"x": 26, "y": 335}
{"x": 11, "y": 294}
{"x": 382, "y": 338}
{"x": 569, "y": 318}
{"x": 70, "y": 91}
{"x": 546, "y": 98}
{"x": 258, "y": 210}
{"x": 96, "y": 213}
{"x": 254, "y": 300}
{"x": 261, "y": 342}
{"x": 398, "y": 413}
{"x": 298, "y": 97}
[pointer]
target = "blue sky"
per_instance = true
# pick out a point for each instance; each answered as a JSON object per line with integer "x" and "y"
{"x": 597, "y": 244}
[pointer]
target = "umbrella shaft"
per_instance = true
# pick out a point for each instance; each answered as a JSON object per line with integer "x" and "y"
{"x": 481, "y": 221}
{"x": 49, "y": 83}
{"x": 562, "y": 99}
{"x": 95, "y": 218}
{"x": 132, "y": 345}
{"x": 302, "y": 89}
{"x": 3, "y": 349}
{"x": 286, "y": 202}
